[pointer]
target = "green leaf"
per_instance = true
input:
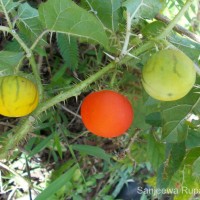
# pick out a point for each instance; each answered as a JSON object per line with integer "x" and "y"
{"x": 9, "y": 60}
{"x": 143, "y": 8}
{"x": 174, "y": 115}
{"x": 8, "y": 4}
{"x": 43, "y": 144}
{"x": 193, "y": 139}
{"x": 191, "y": 156}
{"x": 108, "y": 11}
{"x": 92, "y": 150}
{"x": 28, "y": 22}
{"x": 154, "y": 119}
{"x": 155, "y": 151}
{"x": 171, "y": 164}
{"x": 186, "y": 45}
{"x": 56, "y": 185}
{"x": 69, "y": 50}
{"x": 196, "y": 168}
{"x": 66, "y": 17}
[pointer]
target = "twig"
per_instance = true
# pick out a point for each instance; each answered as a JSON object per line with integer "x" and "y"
{"x": 24, "y": 183}
{"x": 175, "y": 20}
{"x": 179, "y": 28}
{"x": 69, "y": 111}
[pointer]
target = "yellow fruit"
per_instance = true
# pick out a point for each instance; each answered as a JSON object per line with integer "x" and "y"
{"x": 18, "y": 96}
{"x": 168, "y": 75}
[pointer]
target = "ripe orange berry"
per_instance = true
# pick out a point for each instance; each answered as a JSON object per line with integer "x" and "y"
{"x": 106, "y": 113}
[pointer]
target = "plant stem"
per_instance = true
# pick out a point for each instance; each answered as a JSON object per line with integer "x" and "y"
{"x": 38, "y": 39}
{"x": 173, "y": 23}
{"x": 37, "y": 76}
{"x": 24, "y": 183}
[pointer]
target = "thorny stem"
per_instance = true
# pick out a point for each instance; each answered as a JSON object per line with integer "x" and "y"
{"x": 173, "y": 23}
{"x": 26, "y": 124}
{"x": 38, "y": 39}
{"x": 128, "y": 34}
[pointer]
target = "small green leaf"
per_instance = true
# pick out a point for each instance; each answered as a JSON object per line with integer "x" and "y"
{"x": 193, "y": 139}
{"x": 67, "y": 17}
{"x": 155, "y": 151}
{"x": 171, "y": 164}
{"x": 57, "y": 184}
{"x": 92, "y": 150}
{"x": 69, "y": 50}
{"x": 9, "y": 60}
{"x": 192, "y": 155}
{"x": 43, "y": 144}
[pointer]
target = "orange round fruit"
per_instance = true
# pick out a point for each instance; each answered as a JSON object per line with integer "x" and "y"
{"x": 107, "y": 113}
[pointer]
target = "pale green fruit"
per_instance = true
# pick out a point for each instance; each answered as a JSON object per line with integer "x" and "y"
{"x": 168, "y": 75}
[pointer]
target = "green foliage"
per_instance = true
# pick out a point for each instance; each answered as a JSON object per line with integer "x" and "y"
{"x": 92, "y": 150}
{"x": 174, "y": 126}
{"x": 143, "y": 8}
{"x": 69, "y": 50}
{"x": 8, "y": 60}
{"x": 76, "y": 58}
{"x": 108, "y": 12}
{"x": 9, "y": 5}
{"x": 56, "y": 185}
{"x": 82, "y": 24}
{"x": 28, "y": 22}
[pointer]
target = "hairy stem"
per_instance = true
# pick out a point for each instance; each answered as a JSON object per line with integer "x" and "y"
{"x": 128, "y": 34}
{"x": 173, "y": 23}
{"x": 37, "y": 76}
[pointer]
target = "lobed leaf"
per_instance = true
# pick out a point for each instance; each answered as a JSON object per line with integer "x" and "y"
{"x": 9, "y": 60}
{"x": 66, "y": 17}
{"x": 143, "y": 8}
{"x": 69, "y": 50}
{"x": 28, "y": 22}
{"x": 174, "y": 115}
{"x": 108, "y": 11}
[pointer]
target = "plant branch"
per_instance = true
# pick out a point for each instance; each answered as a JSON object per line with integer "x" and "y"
{"x": 24, "y": 183}
{"x": 179, "y": 28}
{"x": 38, "y": 39}
{"x": 37, "y": 76}
{"x": 175, "y": 20}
